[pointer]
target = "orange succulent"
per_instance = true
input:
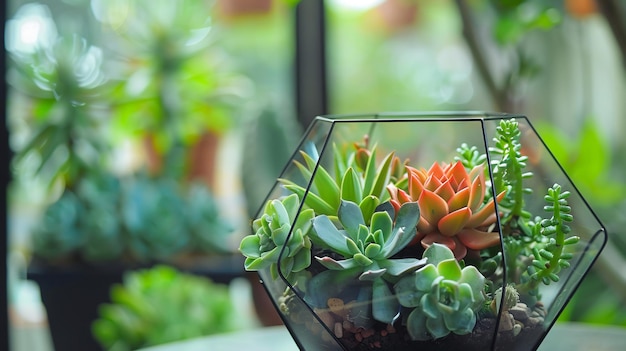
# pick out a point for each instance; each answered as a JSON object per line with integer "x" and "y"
{"x": 451, "y": 205}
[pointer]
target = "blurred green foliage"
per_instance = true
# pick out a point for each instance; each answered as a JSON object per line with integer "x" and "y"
{"x": 174, "y": 81}
{"x": 65, "y": 83}
{"x": 130, "y": 219}
{"x": 162, "y": 305}
{"x": 419, "y": 68}
{"x": 158, "y": 73}
{"x": 588, "y": 159}
{"x": 516, "y": 18}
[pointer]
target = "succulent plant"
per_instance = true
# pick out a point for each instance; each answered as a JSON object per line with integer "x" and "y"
{"x": 405, "y": 256}
{"x": 136, "y": 218}
{"x": 508, "y": 174}
{"x": 208, "y": 231}
{"x": 57, "y": 236}
{"x": 272, "y": 236}
{"x": 366, "y": 251}
{"x": 357, "y": 178}
{"x": 187, "y": 86}
{"x": 444, "y": 297}
{"x": 452, "y": 207}
{"x": 153, "y": 213}
{"x": 99, "y": 226}
{"x": 548, "y": 252}
{"x": 160, "y": 305}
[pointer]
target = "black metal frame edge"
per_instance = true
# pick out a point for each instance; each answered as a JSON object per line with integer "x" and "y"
{"x": 5, "y": 176}
{"x": 310, "y": 61}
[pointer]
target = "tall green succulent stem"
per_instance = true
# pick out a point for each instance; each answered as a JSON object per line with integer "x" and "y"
{"x": 518, "y": 201}
{"x": 508, "y": 172}
{"x": 549, "y": 261}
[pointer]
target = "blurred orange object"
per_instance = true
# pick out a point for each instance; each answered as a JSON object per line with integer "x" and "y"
{"x": 580, "y": 8}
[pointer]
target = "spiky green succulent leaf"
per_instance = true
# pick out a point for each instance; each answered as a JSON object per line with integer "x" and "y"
{"x": 376, "y": 179}
{"x": 351, "y": 186}
{"x": 323, "y": 182}
{"x": 314, "y": 201}
{"x": 361, "y": 184}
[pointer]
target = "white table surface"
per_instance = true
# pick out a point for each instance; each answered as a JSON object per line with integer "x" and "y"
{"x": 562, "y": 337}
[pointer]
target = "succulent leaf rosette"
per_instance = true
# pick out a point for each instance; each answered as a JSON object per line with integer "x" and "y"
{"x": 444, "y": 298}
{"x": 367, "y": 252}
{"x": 453, "y": 209}
{"x": 263, "y": 248}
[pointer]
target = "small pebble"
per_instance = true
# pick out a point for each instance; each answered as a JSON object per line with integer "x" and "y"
{"x": 506, "y": 322}
{"x": 337, "y": 306}
{"x": 326, "y": 317}
{"x": 338, "y": 330}
{"x": 520, "y": 313}
{"x": 533, "y": 321}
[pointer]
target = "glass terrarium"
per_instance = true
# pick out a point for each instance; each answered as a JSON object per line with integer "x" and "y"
{"x": 435, "y": 231}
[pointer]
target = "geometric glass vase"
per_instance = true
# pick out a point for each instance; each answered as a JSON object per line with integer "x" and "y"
{"x": 422, "y": 231}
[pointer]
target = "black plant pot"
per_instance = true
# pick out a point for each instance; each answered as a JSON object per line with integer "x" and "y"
{"x": 72, "y": 295}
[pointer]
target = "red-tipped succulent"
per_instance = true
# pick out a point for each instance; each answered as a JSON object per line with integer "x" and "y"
{"x": 451, "y": 201}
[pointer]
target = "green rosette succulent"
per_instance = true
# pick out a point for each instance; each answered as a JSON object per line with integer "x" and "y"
{"x": 263, "y": 248}
{"x": 366, "y": 251}
{"x": 444, "y": 298}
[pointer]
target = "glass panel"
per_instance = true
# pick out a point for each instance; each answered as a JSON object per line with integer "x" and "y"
{"x": 362, "y": 269}
{"x": 544, "y": 260}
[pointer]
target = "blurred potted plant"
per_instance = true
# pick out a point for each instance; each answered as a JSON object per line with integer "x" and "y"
{"x": 396, "y": 15}
{"x": 160, "y": 305}
{"x": 237, "y": 8}
{"x": 177, "y": 91}
{"x": 360, "y": 250}
{"x": 101, "y": 223}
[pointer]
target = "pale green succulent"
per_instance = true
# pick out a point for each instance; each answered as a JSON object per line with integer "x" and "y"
{"x": 263, "y": 248}
{"x": 366, "y": 251}
{"x": 444, "y": 298}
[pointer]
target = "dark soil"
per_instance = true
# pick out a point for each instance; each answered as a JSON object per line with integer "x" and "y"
{"x": 479, "y": 340}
